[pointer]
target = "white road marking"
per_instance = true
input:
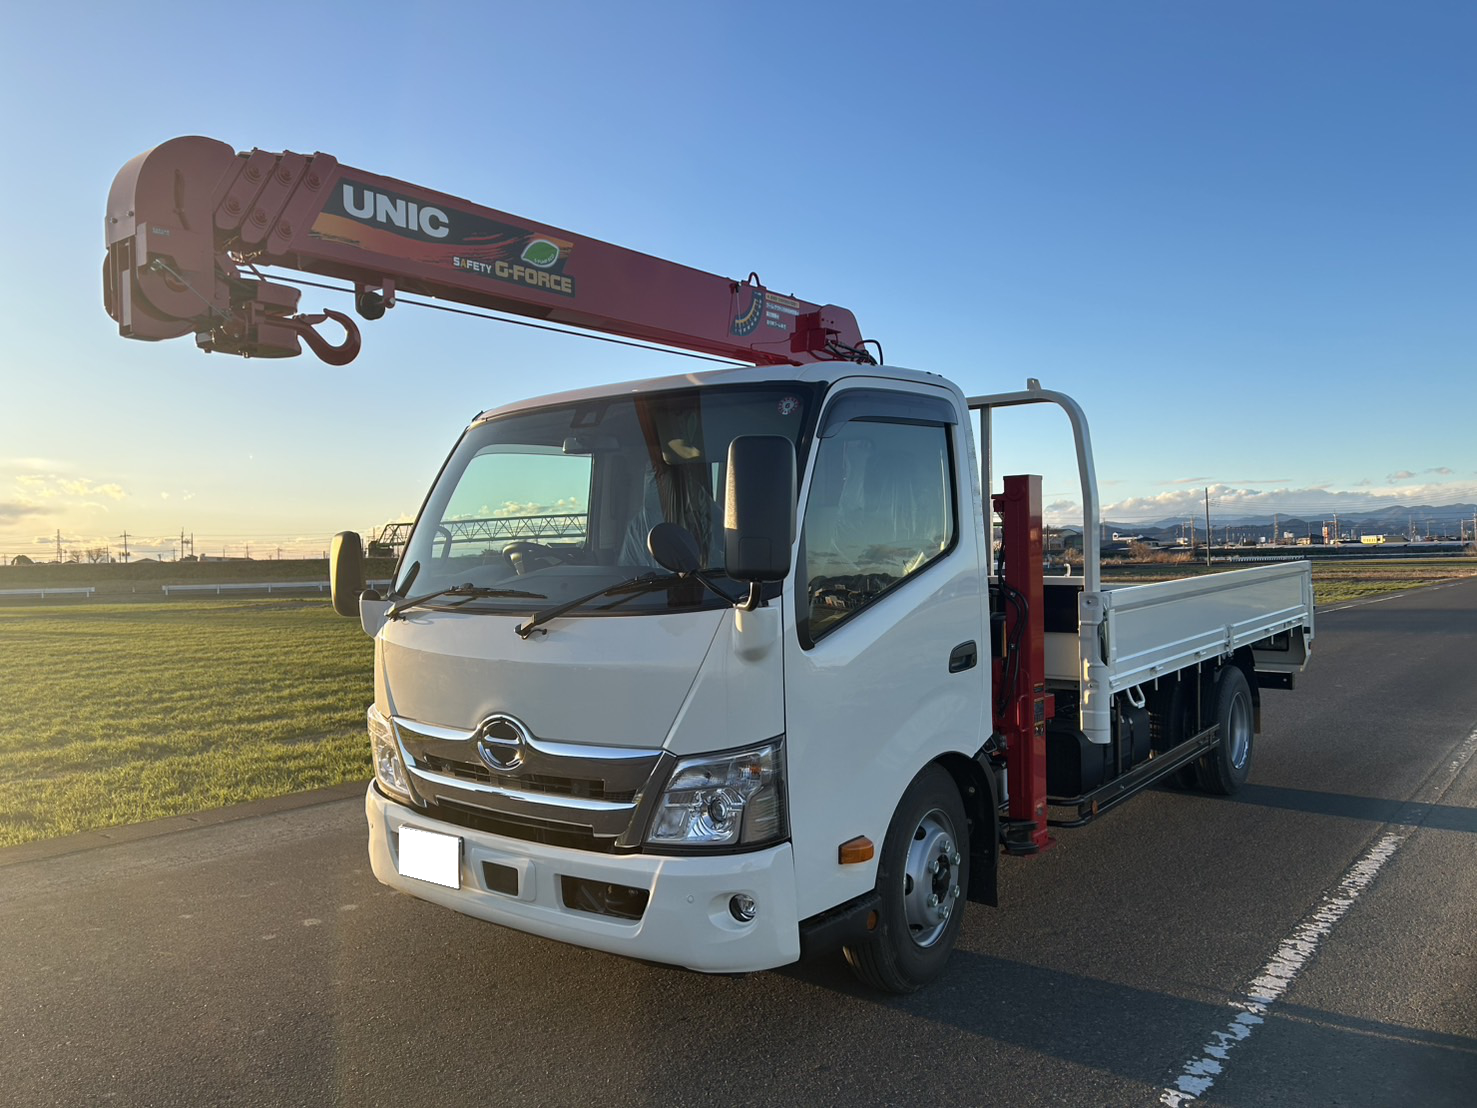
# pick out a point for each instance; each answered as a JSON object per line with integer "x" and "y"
{"x": 1372, "y": 600}
{"x": 1295, "y": 951}
{"x": 1390, "y": 596}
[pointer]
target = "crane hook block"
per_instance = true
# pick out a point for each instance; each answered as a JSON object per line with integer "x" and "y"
{"x": 342, "y": 354}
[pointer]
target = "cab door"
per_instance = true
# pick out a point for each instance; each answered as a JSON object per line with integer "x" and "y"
{"x": 885, "y": 663}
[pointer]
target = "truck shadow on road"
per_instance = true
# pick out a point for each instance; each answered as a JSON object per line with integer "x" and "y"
{"x": 1373, "y": 809}
{"x": 1000, "y": 1007}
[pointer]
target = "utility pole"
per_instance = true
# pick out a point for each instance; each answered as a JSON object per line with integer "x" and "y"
{"x": 124, "y": 537}
{"x": 1209, "y": 534}
{"x": 58, "y": 546}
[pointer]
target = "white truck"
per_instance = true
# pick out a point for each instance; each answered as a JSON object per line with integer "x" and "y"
{"x": 721, "y": 669}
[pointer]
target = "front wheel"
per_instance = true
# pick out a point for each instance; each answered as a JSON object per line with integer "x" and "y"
{"x": 921, "y": 878}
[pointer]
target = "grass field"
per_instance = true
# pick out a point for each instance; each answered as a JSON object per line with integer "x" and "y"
{"x": 121, "y": 712}
{"x": 116, "y": 713}
{"x": 1340, "y": 581}
{"x": 1334, "y": 581}
{"x": 142, "y": 580}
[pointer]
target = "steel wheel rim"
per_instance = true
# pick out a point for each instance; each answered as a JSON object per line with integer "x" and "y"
{"x": 930, "y": 878}
{"x": 1239, "y": 728}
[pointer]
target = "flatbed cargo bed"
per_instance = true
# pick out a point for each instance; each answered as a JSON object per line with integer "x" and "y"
{"x": 1150, "y": 630}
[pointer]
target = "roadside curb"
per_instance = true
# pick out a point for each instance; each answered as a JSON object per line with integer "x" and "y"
{"x": 151, "y": 829}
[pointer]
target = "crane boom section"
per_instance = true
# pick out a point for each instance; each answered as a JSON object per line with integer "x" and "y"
{"x": 188, "y": 220}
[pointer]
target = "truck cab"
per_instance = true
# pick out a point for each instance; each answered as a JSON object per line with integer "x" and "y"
{"x": 659, "y": 770}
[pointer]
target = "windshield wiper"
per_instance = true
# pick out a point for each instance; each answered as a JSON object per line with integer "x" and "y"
{"x": 469, "y": 591}
{"x": 647, "y": 582}
{"x": 644, "y": 583}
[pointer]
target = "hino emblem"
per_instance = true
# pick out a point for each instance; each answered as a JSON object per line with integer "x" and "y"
{"x": 500, "y": 742}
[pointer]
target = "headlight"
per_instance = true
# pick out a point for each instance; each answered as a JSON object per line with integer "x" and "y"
{"x": 389, "y": 771}
{"x": 734, "y": 799}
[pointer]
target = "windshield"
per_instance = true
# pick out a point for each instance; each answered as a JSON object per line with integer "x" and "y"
{"x": 557, "y": 502}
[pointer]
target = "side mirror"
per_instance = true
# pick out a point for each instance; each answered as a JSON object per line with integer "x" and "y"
{"x": 674, "y": 548}
{"x": 759, "y": 509}
{"x": 346, "y": 573}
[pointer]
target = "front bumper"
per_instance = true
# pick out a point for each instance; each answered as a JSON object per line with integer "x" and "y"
{"x": 686, "y": 921}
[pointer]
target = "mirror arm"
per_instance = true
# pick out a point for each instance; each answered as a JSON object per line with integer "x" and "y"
{"x": 755, "y": 598}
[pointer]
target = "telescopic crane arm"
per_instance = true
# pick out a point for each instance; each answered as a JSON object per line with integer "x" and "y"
{"x": 189, "y": 220}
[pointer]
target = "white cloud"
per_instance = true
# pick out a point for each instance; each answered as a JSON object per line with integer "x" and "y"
{"x": 11, "y": 511}
{"x": 52, "y": 486}
{"x": 1228, "y": 500}
{"x": 33, "y": 465}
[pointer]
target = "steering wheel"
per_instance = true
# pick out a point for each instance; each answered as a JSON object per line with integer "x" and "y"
{"x": 524, "y": 557}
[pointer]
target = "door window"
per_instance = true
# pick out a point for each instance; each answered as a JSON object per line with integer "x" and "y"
{"x": 881, "y": 509}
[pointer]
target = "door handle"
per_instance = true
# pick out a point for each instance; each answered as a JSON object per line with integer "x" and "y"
{"x": 964, "y": 656}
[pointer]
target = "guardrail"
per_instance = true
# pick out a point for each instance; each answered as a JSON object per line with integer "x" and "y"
{"x": 45, "y": 592}
{"x": 268, "y": 586}
{"x": 262, "y": 586}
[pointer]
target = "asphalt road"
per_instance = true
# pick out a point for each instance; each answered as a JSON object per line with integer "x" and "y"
{"x": 257, "y": 962}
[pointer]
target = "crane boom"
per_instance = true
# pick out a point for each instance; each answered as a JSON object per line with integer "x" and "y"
{"x": 189, "y": 220}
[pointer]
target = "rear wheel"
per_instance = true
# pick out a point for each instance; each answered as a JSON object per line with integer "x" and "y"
{"x": 921, "y": 876}
{"x": 1225, "y": 769}
{"x": 1176, "y": 707}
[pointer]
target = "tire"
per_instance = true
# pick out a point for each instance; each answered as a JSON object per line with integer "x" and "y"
{"x": 921, "y": 878}
{"x": 1175, "y": 706}
{"x": 1225, "y": 769}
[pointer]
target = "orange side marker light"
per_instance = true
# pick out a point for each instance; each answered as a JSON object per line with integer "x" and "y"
{"x": 852, "y": 851}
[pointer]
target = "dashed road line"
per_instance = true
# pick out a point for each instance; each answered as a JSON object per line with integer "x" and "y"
{"x": 1297, "y": 950}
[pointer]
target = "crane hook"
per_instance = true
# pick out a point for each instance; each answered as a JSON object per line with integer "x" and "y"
{"x": 342, "y": 354}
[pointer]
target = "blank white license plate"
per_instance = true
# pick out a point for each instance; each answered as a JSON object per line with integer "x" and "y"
{"x": 427, "y": 856}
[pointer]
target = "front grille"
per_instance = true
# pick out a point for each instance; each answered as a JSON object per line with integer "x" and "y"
{"x": 579, "y": 796}
{"x": 525, "y": 828}
{"x": 552, "y": 784}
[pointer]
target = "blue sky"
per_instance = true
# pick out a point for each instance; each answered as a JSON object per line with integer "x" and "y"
{"x": 1242, "y": 234}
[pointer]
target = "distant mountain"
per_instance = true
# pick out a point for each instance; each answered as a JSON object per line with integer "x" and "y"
{"x": 1444, "y": 520}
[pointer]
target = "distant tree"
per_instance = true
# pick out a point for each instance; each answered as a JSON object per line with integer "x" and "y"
{"x": 96, "y": 554}
{"x": 21, "y": 560}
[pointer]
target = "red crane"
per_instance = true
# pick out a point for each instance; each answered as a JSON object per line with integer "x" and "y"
{"x": 189, "y": 221}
